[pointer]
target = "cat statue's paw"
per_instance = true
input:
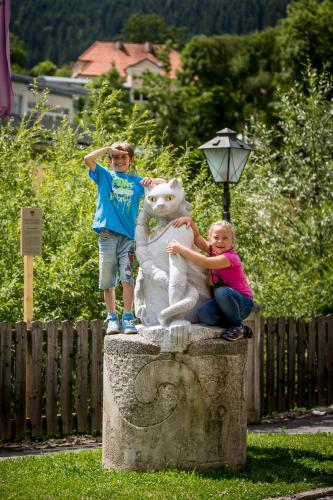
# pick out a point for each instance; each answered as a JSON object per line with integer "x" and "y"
{"x": 140, "y": 312}
{"x": 160, "y": 277}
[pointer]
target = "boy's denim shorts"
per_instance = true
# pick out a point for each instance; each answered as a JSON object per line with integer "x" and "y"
{"x": 116, "y": 259}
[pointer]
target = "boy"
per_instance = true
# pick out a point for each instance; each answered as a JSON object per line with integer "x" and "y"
{"x": 117, "y": 206}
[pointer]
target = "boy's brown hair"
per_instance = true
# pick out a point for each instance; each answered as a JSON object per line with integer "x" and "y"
{"x": 124, "y": 146}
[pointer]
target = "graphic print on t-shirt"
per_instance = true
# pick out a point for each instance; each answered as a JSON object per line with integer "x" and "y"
{"x": 122, "y": 191}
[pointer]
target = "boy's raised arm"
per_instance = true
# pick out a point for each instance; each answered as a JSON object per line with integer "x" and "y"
{"x": 90, "y": 158}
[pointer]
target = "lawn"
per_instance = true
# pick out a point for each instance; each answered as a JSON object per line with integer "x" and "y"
{"x": 277, "y": 465}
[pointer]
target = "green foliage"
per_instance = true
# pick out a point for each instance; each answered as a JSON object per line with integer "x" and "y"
{"x": 140, "y": 28}
{"x": 45, "y": 169}
{"x": 44, "y": 68}
{"x": 105, "y": 85}
{"x": 18, "y": 54}
{"x": 306, "y": 37}
{"x": 277, "y": 465}
{"x": 284, "y": 211}
{"x": 65, "y": 70}
{"x": 224, "y": 80}
{"x": 282, "y": 208}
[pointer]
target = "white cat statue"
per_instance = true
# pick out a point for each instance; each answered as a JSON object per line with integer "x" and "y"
{"x": 168, "y": 287}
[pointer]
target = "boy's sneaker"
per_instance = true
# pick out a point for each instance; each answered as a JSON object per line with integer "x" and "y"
{"x": 112, "y": 324}
{"x": 233, "y": 333}
{"x": 128, "y": 322}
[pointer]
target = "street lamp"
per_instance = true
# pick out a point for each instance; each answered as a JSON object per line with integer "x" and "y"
{"x": 226, "y": 157}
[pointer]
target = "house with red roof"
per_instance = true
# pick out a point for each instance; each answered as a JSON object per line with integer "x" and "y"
{"x": 131, "y": 60}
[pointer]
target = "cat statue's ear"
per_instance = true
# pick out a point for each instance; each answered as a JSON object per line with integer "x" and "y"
{"x": 175, "y": 183}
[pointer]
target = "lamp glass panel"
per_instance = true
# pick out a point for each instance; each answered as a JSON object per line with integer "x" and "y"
{"x": 217, "y": 160}
{"x": 238, "y": 159}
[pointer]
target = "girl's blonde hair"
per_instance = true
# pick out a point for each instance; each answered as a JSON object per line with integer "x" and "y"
{"x": 222, "y": 224}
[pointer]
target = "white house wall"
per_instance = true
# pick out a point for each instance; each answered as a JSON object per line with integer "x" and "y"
{"x": 135, "y": 72}
{"x": 24, "y": 101}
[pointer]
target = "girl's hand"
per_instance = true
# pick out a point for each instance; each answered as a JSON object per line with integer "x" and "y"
{"x": 182, "y": 220}
{"x": 174, "y": 247}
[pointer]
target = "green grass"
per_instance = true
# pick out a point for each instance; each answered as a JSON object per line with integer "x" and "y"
{"x": 277, "y": 465}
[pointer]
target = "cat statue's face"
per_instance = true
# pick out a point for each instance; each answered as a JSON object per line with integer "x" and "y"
{"x": 166, "y": 200}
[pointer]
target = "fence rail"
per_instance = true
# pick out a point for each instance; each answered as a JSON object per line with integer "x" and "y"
{"x": 64, "y": 382}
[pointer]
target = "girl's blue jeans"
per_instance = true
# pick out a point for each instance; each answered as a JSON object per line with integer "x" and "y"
{"x": 228, "y": 308}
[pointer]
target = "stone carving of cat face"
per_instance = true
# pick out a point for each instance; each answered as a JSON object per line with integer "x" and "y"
{"x": 166, "y": 200}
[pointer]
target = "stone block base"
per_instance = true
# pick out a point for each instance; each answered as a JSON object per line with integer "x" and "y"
{"x": 174, "y": 410}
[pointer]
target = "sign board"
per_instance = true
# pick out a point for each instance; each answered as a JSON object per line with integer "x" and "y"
{"x": 31, "y": 231}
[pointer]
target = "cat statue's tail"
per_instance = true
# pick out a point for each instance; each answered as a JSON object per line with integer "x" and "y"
{"x": 182, "y": 295}
{"x": 179, "y": 308}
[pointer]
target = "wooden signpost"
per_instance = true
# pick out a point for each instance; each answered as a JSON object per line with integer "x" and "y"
{"x": 31, "y": 245}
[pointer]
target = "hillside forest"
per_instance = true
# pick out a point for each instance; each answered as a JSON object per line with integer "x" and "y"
{"x": 60, "y": 30}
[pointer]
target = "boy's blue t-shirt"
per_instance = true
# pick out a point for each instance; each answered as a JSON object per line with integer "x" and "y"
{"x": 118, "y": 199}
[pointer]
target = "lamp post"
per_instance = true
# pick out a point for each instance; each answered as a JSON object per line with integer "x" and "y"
{"x": 226, "y": 157}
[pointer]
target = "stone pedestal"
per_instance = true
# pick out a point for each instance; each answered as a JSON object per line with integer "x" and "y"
{"x": 174, "y": 409}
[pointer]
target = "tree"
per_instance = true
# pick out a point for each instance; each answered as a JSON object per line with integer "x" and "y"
{"x": 140, "y": 28}
{"x": 306, "y": 36}
{"x": 223, "y": 81}
{"x": 44, "y": 68}
{"x": 18, "y": 54}
{"x": 65, "y": 70}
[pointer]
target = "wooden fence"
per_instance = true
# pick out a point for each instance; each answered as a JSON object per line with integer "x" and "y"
{"x": 64, "y": 382}
{"x": 296, "y": 364}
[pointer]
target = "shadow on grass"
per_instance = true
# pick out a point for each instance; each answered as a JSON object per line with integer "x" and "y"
{"x": 278, "y": 464}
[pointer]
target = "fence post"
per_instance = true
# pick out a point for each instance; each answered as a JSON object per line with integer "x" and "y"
{"x": 51, "y": 378}
{"x": 281, "y": 365}
{"x": 96, "y": 375}
{"x": 329, "y": 320}
{"x": 20, "y": 379}
{"x": 36, "y": 378}
{"x": 82, "y": 376}
{"x": 253, "y": 365}
{"x": 66, "y": 377}
{"x": 5, "y": 380}
{"x": 292, "y": 339}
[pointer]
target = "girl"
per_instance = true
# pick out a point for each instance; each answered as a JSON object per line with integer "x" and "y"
{"x": 232, "y": 299}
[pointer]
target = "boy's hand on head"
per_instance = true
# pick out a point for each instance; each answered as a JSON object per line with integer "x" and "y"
{"x": 174, "y": 247}
{"x": 116, "y": 152}
{"x": 182, "y": 220}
